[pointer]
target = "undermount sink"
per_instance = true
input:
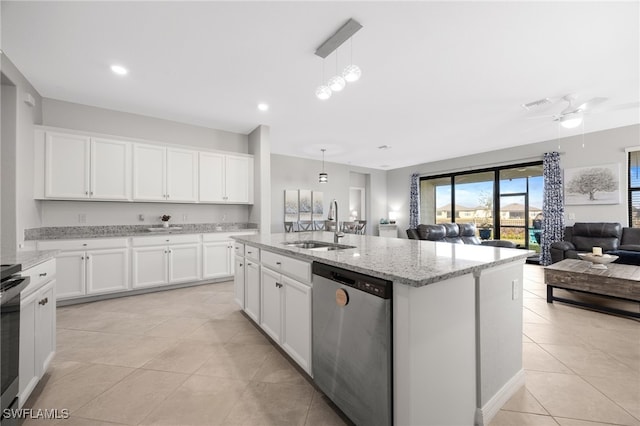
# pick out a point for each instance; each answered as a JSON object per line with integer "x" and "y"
{"x": 317, "y": 245}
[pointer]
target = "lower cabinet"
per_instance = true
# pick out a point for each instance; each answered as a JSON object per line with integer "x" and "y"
{"x": 252, "y": 290}
{"x": 37, "y": 327}
{"x": 216, "y": 259}
{"x": 286, "y": 314}
{"x": 238, "y": 281}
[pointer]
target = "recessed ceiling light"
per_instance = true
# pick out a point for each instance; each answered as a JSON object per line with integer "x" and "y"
{"x": 263, "y": 107}
{"x": 384, "y": 147}
{"x": 119, "y": 69}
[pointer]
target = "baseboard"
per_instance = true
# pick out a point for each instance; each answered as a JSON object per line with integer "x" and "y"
{"x": 485, "y": 414}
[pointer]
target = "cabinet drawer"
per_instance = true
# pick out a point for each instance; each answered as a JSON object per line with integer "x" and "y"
{"x": 39, "y": 275}
{"x": 238, "y": 248}
{"x": 252, "y": 252}
{"x": 83, "y": 244}
{"x": 221, "y": 236}
{"x": 294, "y": 268}
{"x": 160, "y": 240}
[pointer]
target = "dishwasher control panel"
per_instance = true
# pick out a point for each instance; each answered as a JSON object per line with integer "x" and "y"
{"x": 368, "y": 284}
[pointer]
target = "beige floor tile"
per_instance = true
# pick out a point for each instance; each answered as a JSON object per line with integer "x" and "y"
{"x": 198, "y": 401}
{"x": 277, "y": 369}
{"x": 588, "y": 361}
{"x": 250, "y": 337}
{"x": 135, "y": 352}
{"x": 522, "y": 401}
{"x": 551, "y": 333}
{"x": 512, "y": 418}
{"x": 219, "y": 331}
{"x": 176, "y": 327}
{"x": 623, "y": 391}
{"x": 272, "y": 404}
{"x": 536, "y": 358}
{"x": 322, "y": 414}
{"x": 60, "y": 368}
{"x": 185, "y": 356}
{"x": 77, "y": 388}
{"x": 236, "y": 361}
{"x": 528, "y": 316}
{"x": 574, "y": 422}
{"x": 525, "y": 339}
{"x": 132, "y": 399}
{"x": 565, "y": 395}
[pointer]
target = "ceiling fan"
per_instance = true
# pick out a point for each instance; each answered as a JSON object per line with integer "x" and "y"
{"x": 571, "y": 116}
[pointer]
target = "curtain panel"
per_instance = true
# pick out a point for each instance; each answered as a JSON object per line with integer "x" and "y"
{"x": 552, "y": 206}
{"x": 414, "y": 202}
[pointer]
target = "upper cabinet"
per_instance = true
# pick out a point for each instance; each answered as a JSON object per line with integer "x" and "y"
{"x": 226, "y": 178}
{"x": 83, "y": 167}
{"x": 80, "y": 166}
{"x": 164, "y": 174}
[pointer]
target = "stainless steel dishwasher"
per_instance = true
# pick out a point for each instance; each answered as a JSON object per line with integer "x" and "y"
{"x": 352, "y": 343}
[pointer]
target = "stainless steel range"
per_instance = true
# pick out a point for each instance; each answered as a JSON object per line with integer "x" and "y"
{"x": 11, "y": 285}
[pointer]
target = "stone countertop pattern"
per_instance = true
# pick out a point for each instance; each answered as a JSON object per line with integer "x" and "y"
{"x": 107, "y": 231}
{"x": 27, "y": 259}
{"x": 411, "y": 262}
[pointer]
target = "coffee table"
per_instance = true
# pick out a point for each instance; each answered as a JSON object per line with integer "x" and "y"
{"x": 618, "y": 281}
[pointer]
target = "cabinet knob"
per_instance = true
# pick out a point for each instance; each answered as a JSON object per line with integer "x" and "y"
{"x": 86, "y": 192}
{"x": 167, "y": 195}
{"x": 278, "y": 285}
{"x": 82, "y": 257}
{"x": 278, "y": 263}
{"x": 91, "y": 193}
{"x": 84, "y": 244}
{"x": 87, "y": 257}
{"x": 44, "y": 274}
{"x": 43, "y": 301}
{"x": 170, "y": 251}
{"x": 240, "y": 264}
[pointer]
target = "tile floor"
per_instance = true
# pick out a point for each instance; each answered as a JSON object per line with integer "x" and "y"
{"x": 189, "y": 357}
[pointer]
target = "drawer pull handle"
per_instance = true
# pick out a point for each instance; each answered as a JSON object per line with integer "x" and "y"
{"x": 84, "y": 245}
{"x": 43, "y": 301}
{"x": 278, "y": 263}
{"x": 240, "y": 264}
{"x": 278, "y": 285}
{"x": 44, "y": 274}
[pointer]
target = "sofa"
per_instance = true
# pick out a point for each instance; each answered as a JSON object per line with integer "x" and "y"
{"x": 463, "y": 233}
{"x": 611, "y": 236}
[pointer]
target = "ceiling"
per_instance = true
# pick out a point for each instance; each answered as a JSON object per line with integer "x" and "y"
{"x": 440, "y": 79}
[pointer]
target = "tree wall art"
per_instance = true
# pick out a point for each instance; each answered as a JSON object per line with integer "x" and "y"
{"x": 592, "y": 185}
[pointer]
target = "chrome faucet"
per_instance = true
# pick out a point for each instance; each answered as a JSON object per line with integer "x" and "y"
{"x": 337, "y": 234}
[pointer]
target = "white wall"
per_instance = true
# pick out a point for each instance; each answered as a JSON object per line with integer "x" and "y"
{"x": 299, "y": 173}
{"x": 604, "y": 147}
{"x": 8, "y": 165}
{"x": 260, "y": 148}
{"x": 92, "y": 119}
{"x": 28, "y": 211}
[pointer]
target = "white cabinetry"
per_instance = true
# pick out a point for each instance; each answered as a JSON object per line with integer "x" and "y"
{"x": 163, "y": 260}
{"x": 252, "y": 282}
{"x": 286, "y": 304}
{"x": 225, "y": 178}
{"x": 217, "y": 256}
{"x": 37, "y": 326}
{"x": 164, "y": 174}
{"x": 83, "y": 167}
{"x": 239, "y": 279}
{"x": 89, "y": 267}
{"x": 389, "y": 231}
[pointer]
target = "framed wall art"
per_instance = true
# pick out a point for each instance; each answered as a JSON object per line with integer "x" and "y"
{"x": 592, "y": 185}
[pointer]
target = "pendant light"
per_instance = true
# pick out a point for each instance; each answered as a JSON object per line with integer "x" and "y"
{"x": 323, "y": 178}
{"x": 323, "y": 92}
{"x": 351, "y": 72}
{"x": 336, "y": 83}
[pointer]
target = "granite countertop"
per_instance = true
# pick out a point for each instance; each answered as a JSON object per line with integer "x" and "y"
{"x": 411, "y": 262}
{"x": 107, "y": 231}
{"x": 27, "y": 259}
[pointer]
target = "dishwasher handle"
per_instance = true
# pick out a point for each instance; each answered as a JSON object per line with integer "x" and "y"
{"x": 337, "y": 276}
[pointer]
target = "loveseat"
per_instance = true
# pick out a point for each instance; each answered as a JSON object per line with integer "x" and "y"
{"x": 463, "y": 233}
{"x": 610, "y": 236}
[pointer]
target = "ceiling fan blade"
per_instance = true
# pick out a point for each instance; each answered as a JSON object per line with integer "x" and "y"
{"x": 629, "y": 105}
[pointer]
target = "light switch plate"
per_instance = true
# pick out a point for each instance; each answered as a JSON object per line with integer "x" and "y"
{"x": 516, "y": 289}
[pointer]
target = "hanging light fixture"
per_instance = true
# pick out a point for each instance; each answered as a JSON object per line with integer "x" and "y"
{"x": 336, "y": 83}
{"x": 323, "y": 178}
{"x": 571, "y": 121}
{"x": 351, "y": 73}
{"x": 323, "y": 92}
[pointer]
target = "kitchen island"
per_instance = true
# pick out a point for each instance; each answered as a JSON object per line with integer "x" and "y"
{"x": 457, "y": 319}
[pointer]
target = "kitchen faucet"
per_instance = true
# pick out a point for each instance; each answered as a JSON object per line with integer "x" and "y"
{"x": 337, "y": 234}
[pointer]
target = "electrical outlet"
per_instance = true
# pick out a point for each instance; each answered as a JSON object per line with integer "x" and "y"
{"x": 571, "y": 216}
{"x": 82, "y": 218}
{"x": 141, "y": 217}
{"x": 516, "y": 289}
{"x": 184, "y": 217}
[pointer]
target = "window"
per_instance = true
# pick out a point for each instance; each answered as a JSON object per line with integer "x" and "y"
{"x": 634, "y": 189}
{"x": 502, "y": 201}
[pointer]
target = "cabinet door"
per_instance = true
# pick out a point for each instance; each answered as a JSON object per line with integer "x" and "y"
{"x": 71, "y": 274}
{"x": 252, "y": 287}
{"x": 271, "y": 312}
{"x": 296, "y": 335}
{"x": 150, "y": 266}
{"x": 45, "y": 327}
{"x": 211, "y": 178}
{"x": 182, "y": 175}
{"x": 184, "y": 263}
{"x": 110, "y": 169}
{"x": 66, "y": 166}
{"x": 216, "y": 259}
{"x": 28, "y": 377}
{"x": 237, "y": 179}
{"x": 238, "y": 281}
{"x": 107, "y": 270}
{"x": 149, "y": 172}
